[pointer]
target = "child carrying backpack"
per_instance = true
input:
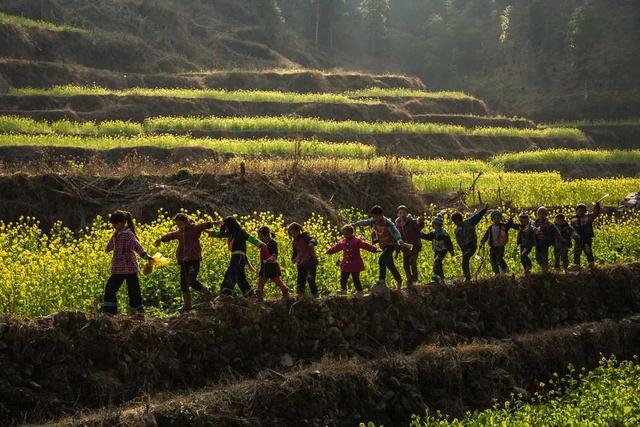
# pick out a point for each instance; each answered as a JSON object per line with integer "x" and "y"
{"x": 498, "y": 236}
{"x": 441, "y": 244}
{"x": 269, "y": 266}
{"x": 389, "y": 239}
{"x": 189, "y": 255}
{"x": 352, "y": 263}
{"x": 124, "y": 265}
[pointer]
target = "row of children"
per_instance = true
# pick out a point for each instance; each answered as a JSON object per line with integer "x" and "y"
{"x": 405, "y": 235}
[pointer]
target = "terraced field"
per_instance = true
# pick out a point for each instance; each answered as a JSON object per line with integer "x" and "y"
{"x": 79, "y": 139}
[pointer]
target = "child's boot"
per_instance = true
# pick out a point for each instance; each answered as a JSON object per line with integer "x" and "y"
{"x": 260, "y": 295}
{"x": 208, "y": 295}
{"x": 359, "y": 294}
{"x": 342, "y": 291}
{"x": 285, "y": 293}
{"x": 186, "y": 301}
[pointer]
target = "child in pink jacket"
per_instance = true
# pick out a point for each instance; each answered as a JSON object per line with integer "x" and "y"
{"x": 352, "y": 263}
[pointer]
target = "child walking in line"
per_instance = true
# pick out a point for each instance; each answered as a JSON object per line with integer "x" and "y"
{"x": 189, "y": 256}
{"x": 388, "y": 238}
{"x": 269, "y": 266}
{"x": 305, "y": 258}
{"x": 410, "y": 229}
{"x": 352, "y": 263}
{"x": 561, "y": 250}
{"x": 546, "y": 236}
{"x": 582, "y": 223}
{"x": 124, "y": 265}
{"x": 467, "y": 238}
{"x": 441, "y": 244}
{"x": 237, "y": 239}
{"x": 498, "y": 236}
{"x": 526, "y": 241}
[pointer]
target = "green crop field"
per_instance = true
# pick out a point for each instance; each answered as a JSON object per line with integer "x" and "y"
{"x": 606, "y": 396}
{"x": 280, "y": 147}
{"x": 560, "y": 157}
{"x": 527, "y": 188}
{"x": 12, "y": 124}
{"x": 31, "y": 23}
{"x": 217, "y": 94}
{"x": 45, "y": 272}
{"x": 375, "y": 92}
{"x": 589, "y": 123}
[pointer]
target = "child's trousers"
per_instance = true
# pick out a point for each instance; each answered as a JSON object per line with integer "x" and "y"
{"x": 386, "y": 262}
{"x": 236, "y": 274}
{"x": 583, "y": 246}
{"x": 307, "y": 271}
{"x": 110, "y": 304}
{"x": 344, "y": 279}
{"x": 438, "y": 269}
{"x": 524, "y": 258}
{"x": 496, "y": 257}
{"x": 561, "y": 257}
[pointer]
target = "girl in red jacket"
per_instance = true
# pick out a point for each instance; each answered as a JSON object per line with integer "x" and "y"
{"x": 189, "y": 255}
{"x": 352, "y": 263}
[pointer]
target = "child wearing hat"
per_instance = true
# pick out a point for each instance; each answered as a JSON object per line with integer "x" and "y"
{"x": 498, "y": 236}
{"x": 441, "y": 244}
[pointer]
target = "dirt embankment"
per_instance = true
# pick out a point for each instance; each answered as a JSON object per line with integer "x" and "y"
{"x": 446, "y": 146}
{"x": 389, "y": 390}
{"x": 43, "y": 74}
{"x": 77, "y": 200}
{"x": 579, "y": 171}
{"x": 66, "y": 361}
{"x": 137, "y": 108}
{"x": 614, "y": 137}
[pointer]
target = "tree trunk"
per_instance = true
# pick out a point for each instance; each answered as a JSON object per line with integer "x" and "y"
{"x": 317, "y": 20}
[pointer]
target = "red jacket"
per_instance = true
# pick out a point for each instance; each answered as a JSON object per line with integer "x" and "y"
{"x": 304, "y": 249}
{"x": 189, "y": 248}
{"x": 351, "y": 259}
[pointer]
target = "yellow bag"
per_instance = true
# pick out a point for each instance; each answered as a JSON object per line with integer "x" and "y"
{"x": 158, "y": 260}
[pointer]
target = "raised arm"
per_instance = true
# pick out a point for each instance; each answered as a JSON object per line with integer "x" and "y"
{"x": 254, "y": 241}
{"x": 476, "y": 217}
{"x": 363, "y": 222}
{"x": 596, "y": 212}
{"x": 336, "y": 248}
{"x": 367, "y": 246}
{"x": 169, "y": 236}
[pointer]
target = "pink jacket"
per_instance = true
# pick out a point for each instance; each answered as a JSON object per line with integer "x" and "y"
{"x": 125, "y": 245}
{"x": 189, "y": 248}
{"x": 351, "y": 259}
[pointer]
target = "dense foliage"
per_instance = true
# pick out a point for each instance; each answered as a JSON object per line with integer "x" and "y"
{"x": 606, "y": 396}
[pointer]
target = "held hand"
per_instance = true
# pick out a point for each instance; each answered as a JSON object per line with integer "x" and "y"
{"x": 157, "y": 243}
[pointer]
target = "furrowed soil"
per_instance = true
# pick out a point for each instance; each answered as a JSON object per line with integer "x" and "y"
{"x": 42, "y": 74}
{"x": 76, "y": 200}
{"x": 373, "y": 361}
{"x": 138, "y": 108}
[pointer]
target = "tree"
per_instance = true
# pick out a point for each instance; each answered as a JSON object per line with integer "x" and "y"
{"x": 374, "y": 14}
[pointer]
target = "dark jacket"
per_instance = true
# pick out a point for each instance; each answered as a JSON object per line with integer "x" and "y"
{"x": 236, "y": 241}
{"x": 566, "y": 233}
{"x": 504, "y": 228}
{"x": 546, "y": 233}
{"x": 410, "y": 232}
{"x": 584, "y": 226}
{"x": 466, "y": 234}
{"x": 526, "y": 236}
{"x": 440, "y": 240}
